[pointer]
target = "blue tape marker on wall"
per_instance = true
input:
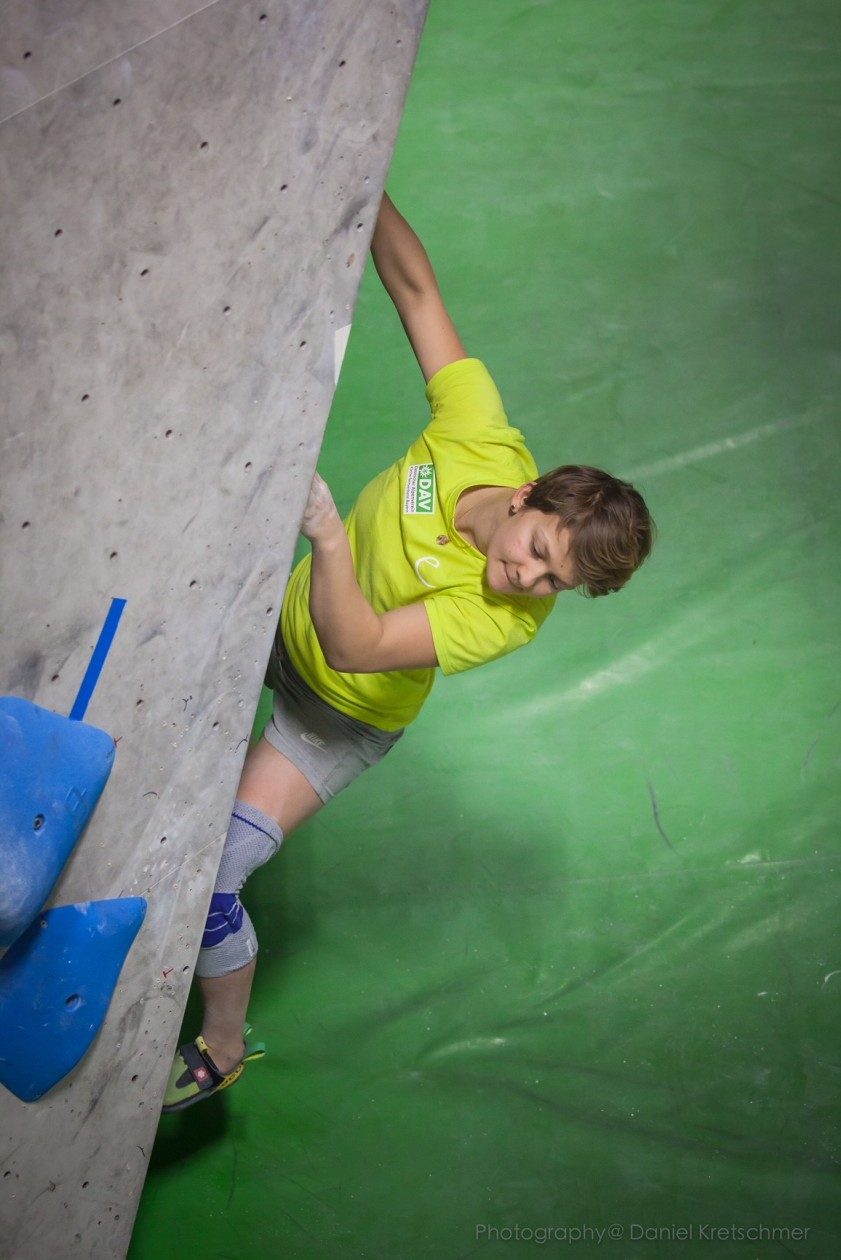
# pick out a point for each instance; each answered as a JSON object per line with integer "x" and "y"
{"x": 103, "y": 647}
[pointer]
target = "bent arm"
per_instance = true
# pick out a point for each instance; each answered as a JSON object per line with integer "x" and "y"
{"x": 406, "y": 272}
{"x": 354, "y": 638}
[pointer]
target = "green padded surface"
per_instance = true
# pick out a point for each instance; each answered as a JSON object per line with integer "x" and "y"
{"x": 569, "y": 958}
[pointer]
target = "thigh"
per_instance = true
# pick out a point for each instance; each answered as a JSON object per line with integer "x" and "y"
{"x": 271, "y": 783}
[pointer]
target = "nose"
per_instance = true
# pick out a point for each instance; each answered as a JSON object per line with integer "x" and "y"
{"x": 529, "y": 574}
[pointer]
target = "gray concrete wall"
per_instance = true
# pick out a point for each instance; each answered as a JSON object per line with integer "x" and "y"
{"x": 188, "y": 198}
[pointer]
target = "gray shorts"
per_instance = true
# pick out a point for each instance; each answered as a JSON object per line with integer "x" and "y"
{"x": 328, "y": 747}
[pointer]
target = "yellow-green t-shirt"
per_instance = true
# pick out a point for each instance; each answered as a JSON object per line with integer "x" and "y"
{"x": 406, "y": 550}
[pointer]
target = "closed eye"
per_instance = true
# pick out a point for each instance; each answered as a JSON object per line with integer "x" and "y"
{"x": 553, "y": 581}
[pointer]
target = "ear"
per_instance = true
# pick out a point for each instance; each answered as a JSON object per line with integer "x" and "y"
{"x": 518, "y": 499}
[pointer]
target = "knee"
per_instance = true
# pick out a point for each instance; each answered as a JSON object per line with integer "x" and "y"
{"x": 252, "y": 839}
{"x": 229, "y": 941}
{"x": 224, "y": 918}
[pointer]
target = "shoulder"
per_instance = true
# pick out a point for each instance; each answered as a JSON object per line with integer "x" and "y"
{"x": 465, "y": 392}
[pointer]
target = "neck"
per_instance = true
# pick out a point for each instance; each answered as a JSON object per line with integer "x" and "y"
{"x": 479, "y": 511}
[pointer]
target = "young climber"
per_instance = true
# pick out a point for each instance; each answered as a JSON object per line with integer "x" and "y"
{"x": 449, "y": 558}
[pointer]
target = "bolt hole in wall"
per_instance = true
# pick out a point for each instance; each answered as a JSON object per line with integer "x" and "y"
{"x": 38, "y": 822}
{"x": 25, "y": 525}
{"x": 73, "y": 1002}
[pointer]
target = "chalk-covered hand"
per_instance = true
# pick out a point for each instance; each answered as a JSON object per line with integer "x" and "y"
{"x": 321, "y": 517}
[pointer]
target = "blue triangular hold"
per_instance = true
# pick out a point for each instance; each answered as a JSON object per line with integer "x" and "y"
{"x": 56, "y": 984}
{"x": 52, "y": 772}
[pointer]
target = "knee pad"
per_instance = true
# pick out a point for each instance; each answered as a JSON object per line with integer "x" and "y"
{"x": 229, "y": 940}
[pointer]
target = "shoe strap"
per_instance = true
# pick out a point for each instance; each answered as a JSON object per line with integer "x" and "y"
{"x": 200, "y": 1065}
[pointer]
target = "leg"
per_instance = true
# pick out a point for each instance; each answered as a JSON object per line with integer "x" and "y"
{"x": 270, "y": 783}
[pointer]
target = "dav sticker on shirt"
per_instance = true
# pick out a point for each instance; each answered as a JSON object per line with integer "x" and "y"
{"x": 419, "y": 499}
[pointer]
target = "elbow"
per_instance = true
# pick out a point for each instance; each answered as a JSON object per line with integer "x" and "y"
{"x": 356, "y": 657}
{"x": 333, "y": 655}
{"x": 343, "y": 661}
{"x": 339, "y": 662}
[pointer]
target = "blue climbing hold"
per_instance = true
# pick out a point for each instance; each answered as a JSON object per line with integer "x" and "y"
{"x": 56, "y": 984}
{"x": 52, "y": 772}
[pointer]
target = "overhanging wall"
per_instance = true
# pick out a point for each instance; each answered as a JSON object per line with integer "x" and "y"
{"x": 186, "y": 216}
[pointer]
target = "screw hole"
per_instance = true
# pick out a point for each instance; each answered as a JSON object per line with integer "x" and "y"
{"x": 85, "y": 397}
{"x": 112, "y": 555}
{"x": 263, "y": 17}
{"x": 193, "y": 583}
{"x": 58, "y": 232}
{"x": 134, "y": 1078}
{"x": 216, "y": 726}
{"x": 301, "y": 346}
{"x": 168, "y": 433}
{"x": 204, "y": 145}
{"x": 117, "y": 101}
{"x": 283, "y": 187}
{"x": 226, "y": 310}
{"x": 85, "y": 1185}
{"x": 25, "y": 525}
{"x": 145, "y": 271}
{"x": 247, "y": 466}
{"x": 269, "y": 611}
{"x": 163, "y": 839}
{"x": 26, "y": 57}
{"x": 54, "y": 678}
{"x": 72, "y": 1004}
{"x": 342, "y": 63}
{"x": 38, "y": 822}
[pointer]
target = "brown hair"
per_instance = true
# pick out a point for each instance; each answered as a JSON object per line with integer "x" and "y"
{"x": 610, "y": 526}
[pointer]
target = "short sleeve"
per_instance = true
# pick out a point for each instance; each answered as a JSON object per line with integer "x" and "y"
{"x": 463, "y": 398}
{"x": 469, "y": 630}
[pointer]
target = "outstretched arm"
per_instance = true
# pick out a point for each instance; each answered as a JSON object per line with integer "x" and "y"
{"x": 353, "y": 638}
{"x": 406, "y": 272}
